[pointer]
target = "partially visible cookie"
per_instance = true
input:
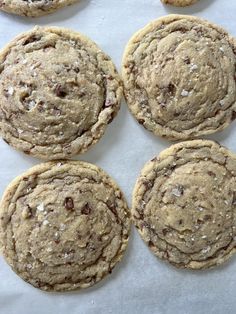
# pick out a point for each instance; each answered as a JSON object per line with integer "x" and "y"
{"x": 63, "y": 225}
{"x": 59, "y": 91}
{"x": 184, "y": 204}
{"x": 33, "y": 8}
{"x": 179, "y": 3}
{"x": 179, "y": 77}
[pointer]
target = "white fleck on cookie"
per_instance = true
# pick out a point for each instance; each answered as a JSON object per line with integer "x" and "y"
{"x": 179, "y": 3}
{"x": 63, "y": 225}
{"x": 59, "y": 92}
{"x": 184, "y": 204}
{"x": 179, "y": 77}
{"x": 33, "y": 8}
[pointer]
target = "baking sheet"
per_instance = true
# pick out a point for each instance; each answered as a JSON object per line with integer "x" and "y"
{"x": 141, "y": 283}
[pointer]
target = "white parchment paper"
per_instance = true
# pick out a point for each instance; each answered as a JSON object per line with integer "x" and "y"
{"x": 141, "y": 283}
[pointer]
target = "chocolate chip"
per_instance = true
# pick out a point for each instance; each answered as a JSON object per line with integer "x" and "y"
{"x": 31, "y": 39}
{"x": 171, "y": 88}
{"x": 69, "y": 203}
{"x": 112, "y": 208}
{"x": 141, "y": 121}
{"x": 187, "y": 60}
{"x": 233, "y": 117}
{"x": 37, "y": 283}
{"x": 56, "y": 111}
{"x": 165, "y": 231}
{"x": 151, "y": 244}
{"x": 207, "y": 217}
{"x": 211, "y": 174}
{"x": 180, "y": 221}
{"x": 60, "y": 91}
{"x": 48, "y": 46}
{"x": 147, "y": 184}
{"x": 109, "y": 77}
{"x": 86, "y": 210}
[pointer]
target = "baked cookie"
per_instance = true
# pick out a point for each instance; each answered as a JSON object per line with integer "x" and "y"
{"x": 184, "y": 204}
{"x": 58, "y": 93}
{"x": 33, "y": 8}
{"x": 63, "y": 225}
{"x": 179, "y": 77}
{"x": 179, "y": 3}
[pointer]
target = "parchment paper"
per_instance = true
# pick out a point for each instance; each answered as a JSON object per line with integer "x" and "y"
{"x": 141, "y": 283}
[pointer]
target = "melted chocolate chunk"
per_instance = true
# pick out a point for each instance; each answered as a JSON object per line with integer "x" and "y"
{"x": 69, "y": 203}
{"x": 60, "y": 91}
{"x": 86, "y": 210}
{"x": 31, "y": 39}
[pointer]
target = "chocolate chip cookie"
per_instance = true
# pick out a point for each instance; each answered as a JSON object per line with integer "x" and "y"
{"x": 184, "y": 204}
{"x": 63, "y": 225}
{"x": 58, "y": 93}
{"x": 33, "y": 8}
{"x": 179, "y": 3}
{"x": 179, "y": 76}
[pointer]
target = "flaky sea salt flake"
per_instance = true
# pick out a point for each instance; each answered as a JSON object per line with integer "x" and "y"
{"x": 31, "y": 104}
{"x": 62, "y": 227}
{"x": 40, "y": 207}
{"x": 177, "y": 191}
{"x": 10, "y": 91}
{"x": 200, "y": 209}
{"x": 193, "y": 67}
{"x": 184, "y": 93}
{"x": 206, "y": 249}
{"x": 45, "y": 222}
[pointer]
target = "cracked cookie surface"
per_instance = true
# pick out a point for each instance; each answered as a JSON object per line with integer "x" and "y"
{"x": 63, "y": 225}
{"x": 179, "y": 77}
{"x": 59, "y": 92}
{"x": 179, "y": 3}
{"x": 33, "y": 8}
{"x": 184, "y": 204}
